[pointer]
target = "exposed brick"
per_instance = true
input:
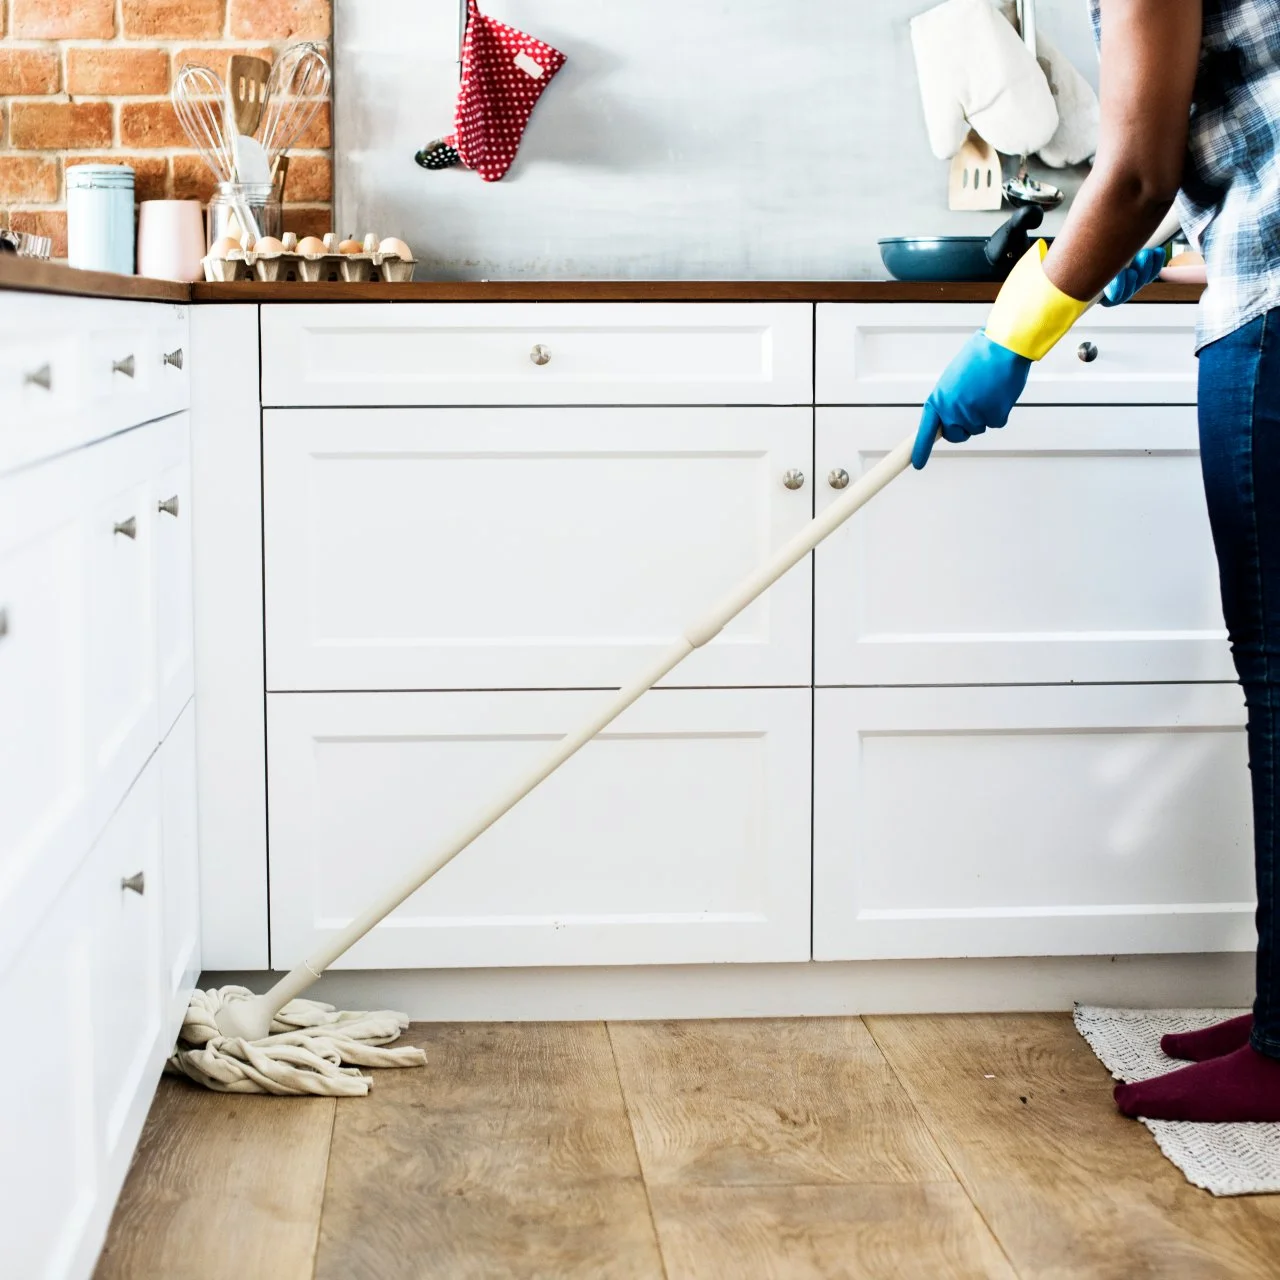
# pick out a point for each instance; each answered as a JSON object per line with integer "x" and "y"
{"x": 43, "y": 222}
{"x": 150, "y": 173}
{"x": 217, "y": 57}
{"x": 308, "y": 220}
{"x": 29, "y": 71}
{"x": 150, "y": 124}
{"x": 172, "y": 19}
{"x": 318, "y": 135}
{"x": 117, "y": 71}
{"x": 310, "y": 178}
{"x": 192, "y": 179}
{"x": 28, "y": 179}
{"x": 63, "y": 19}
{"x": 54, "y": 126}
{"x": 280, "y": 19}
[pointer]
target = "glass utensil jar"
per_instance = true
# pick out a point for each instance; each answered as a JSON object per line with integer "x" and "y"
{"x": 226, "y": 210}
{"x": 100, "y": 217}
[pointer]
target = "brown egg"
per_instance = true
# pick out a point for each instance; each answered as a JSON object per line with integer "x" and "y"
{"x": 224, "y": 248}
{"x": 393, "y": 246}
{"x": 269, "y": 245}
{"x": 310, "y": 245}
{"x": 350, "y": 246}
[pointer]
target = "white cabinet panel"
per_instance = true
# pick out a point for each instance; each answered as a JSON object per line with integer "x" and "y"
{"x": 1031, "y": 821}
{"x": 681, "y": 835}
{"x": 537, "y": 353}
{"x": 1073, "y": 545}
{"x": 892, "y": 353}
{"x": 181, "y": 878}
{"x": 535, "y": 548}
{"x": 169, "y": 511}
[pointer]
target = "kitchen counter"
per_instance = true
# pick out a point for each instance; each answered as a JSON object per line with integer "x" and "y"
{"x": 47, "y": 277}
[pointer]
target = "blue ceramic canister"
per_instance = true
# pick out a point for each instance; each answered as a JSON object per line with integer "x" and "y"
{"x": 100, "y": 234}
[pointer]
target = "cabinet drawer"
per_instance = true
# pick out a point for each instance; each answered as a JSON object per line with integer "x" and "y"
{"x": 1032, "y": 821}
{"x": 892, "y": 353}
{"x": 679, "y": 836}
{"x": 537, "y": 353}
{"x": 427, "y": 549}
{"x": 1073, "y": 545}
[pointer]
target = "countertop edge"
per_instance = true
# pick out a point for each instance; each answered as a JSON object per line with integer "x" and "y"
{"x": 32, "y": 275}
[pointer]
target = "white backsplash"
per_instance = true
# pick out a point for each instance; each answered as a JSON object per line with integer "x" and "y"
{"x": 683, "y": 139}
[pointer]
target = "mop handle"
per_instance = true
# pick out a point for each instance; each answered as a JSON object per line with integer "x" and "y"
{"x": 789, "y": 554}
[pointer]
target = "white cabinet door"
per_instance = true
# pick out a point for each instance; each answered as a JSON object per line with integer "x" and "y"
{"x": 892, "y": 353}
{"x": 1031, "y": 821}
{"x": 49, "y": 1175}
{"x": 123, "y": 881}
{"x": 169, "y": 511}
{"x": 1073, "y": 545}
{"x": 680, "y": 836}
{"x": 537, "y": 353}
{"x": 181, "y": 879}
{"x": 534, "y": 548}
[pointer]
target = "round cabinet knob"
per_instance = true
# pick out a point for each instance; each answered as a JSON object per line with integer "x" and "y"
{"x": 136, "y": 883}
{"x": 129, "y": 527}
{"x": 4, "y": 623}
{"x": 793, "y": 479}
{"x": 124, "y": 366}
{"x": 169, "y": 506}
{"x": 540, "y": 354}
{"x": 838, "y": 479}
{"x": 174, "y": 358}
{"x": 1087, "y": 352}
{"x": 41, "y": 377}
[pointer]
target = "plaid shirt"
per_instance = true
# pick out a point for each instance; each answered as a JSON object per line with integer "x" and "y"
{"x": 1230, "y": 197}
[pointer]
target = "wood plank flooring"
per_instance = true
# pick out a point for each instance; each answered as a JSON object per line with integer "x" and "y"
{"x": 798, "y": 1148}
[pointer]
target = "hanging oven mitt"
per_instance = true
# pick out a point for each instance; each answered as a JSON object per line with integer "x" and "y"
{"x": 504, "y": 72}
{"x": 981, "y": 385}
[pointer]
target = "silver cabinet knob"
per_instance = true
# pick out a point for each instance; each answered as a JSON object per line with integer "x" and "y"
{"x": 4, "y": 623}
{"x": 169, "y": 506}
{"x": 124, "y": 366}
{"x": 540, "y": 354}
{"x": 136, "y": 883}
{"x": 1087, "y": 352}
{"x": 127, "y": 527}
{"x": 838, "y": 479}
{"x": 174, "y": 358}
{"x": 41, "y": 377}
{"x": 793, "y": 479}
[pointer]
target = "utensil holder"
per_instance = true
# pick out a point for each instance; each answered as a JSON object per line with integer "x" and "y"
{"x": 226, "y": 210}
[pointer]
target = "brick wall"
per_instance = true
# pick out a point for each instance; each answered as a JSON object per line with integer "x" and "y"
{"x": 88, "y": 81}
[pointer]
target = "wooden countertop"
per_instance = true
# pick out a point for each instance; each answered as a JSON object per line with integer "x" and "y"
{"x": 49, "y": 277}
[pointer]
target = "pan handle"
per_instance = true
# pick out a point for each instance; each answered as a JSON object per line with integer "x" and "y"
{"x": 1009, "y": 242}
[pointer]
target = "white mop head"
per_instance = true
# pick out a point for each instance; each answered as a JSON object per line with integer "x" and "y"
{"x": 305, "y": 1053}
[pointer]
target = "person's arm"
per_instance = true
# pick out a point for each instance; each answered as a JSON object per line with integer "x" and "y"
{"x": 1150, "y": 53}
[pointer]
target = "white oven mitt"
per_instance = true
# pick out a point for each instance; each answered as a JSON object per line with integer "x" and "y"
{"x": 976, "y": 73}
{"x": 1076, "y": 137}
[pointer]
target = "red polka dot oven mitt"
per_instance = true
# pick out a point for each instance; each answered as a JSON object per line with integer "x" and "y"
{"x": 504, "y": 72}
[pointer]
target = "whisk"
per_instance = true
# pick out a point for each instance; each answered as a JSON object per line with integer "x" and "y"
{"x": 297, "y": 88}
{"x": 200, "y": 101}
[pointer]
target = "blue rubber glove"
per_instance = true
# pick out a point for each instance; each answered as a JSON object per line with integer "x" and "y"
{"x": 1137, "y": 275}
{"x": 976, "y": 391}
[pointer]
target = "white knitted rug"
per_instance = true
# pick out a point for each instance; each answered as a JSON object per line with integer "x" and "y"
{"x": 1225, "y": 1159}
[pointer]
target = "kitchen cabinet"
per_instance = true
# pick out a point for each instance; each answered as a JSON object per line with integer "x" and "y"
{"x": 99, "y": 914}
{"x": 532, "y": 548}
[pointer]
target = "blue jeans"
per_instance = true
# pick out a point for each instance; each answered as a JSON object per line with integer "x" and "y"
{"x": 1240, "y": 453}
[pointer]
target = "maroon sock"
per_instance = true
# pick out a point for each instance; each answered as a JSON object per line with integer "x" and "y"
{"x": 1209, "y": 1042}
{"x": 1243, "y": 1085}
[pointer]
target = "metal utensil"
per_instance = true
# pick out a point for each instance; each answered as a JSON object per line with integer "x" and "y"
{"x": 1022, "y": 189}
{"x": 974, "y": 182}
{"x": 200, "y": 100}
{"x": 296, "y": 89}
{"x": 247, "y": 83}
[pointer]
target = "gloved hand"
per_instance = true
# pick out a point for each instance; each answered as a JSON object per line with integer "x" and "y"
{"x": 1137, "y": 275}
{"x": 976, "y": 391}
{"x": 981, "y": 385}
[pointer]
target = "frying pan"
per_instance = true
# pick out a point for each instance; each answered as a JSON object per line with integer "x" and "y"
{"x": 961, "y": 257}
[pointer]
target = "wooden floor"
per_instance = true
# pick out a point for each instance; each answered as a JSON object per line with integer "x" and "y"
{"x": 932, "y": 1147}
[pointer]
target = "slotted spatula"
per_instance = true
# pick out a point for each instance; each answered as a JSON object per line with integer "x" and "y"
{"x": 247, "y": 84}
{"x": 975, "y": 180}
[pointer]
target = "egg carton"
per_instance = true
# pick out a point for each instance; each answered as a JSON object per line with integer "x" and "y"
{"x": 286, "y": 264}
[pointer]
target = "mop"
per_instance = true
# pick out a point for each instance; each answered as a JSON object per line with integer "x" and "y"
{"x": 237, "y": 1042}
